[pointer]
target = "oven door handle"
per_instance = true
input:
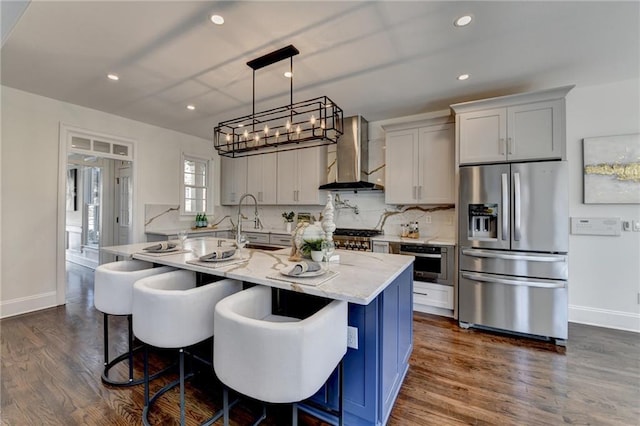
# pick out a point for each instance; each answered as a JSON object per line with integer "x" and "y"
{"x": 430, "y": 256}
{"x": 509, "y": 256}
{"x": 496, "y": 280}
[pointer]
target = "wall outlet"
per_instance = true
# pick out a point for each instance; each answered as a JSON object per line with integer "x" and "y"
{"x": 428, "y": 218}
{"x": 352, "y": 337}
{"x": 626, "y": 225}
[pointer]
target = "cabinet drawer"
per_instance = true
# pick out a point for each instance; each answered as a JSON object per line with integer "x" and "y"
{"x": 257, "y": 237}
{"x": 380, "y": 247}
{"x": 223, "y": 234}
{"x": 280, "y": 240}
{"x": 430, "y": 294}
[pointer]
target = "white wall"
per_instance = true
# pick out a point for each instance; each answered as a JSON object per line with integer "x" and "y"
{"x": 30, "y": 173}
{"x": 604, "y": 272}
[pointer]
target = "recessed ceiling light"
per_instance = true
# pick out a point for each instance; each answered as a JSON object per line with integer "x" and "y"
{"x": 288, "y": 74}
{"x": 113, "y": 77}
{"x": 462, "y": 21}
{"x": 240, "y": 125}
{"x": 217, "y": 19}
{"x": 191, "y": 107}
{"x": 463, "y": 77}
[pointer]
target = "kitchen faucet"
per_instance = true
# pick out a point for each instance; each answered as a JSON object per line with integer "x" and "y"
{"x": 257, "y": 224}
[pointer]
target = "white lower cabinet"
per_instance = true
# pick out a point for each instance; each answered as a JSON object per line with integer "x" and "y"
{"x": 380, "y": 246}
{"x": 280, "y": 240}
{"x": 430, "y": 294}
{"x": 257, "y": 237}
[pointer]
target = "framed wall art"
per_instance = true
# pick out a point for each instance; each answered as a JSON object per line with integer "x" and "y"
{"x": 612, "y": 169}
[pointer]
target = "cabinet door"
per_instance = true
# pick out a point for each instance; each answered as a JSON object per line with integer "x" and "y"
{"x": 401, "y": 158}
{"x": 233, "y": 179}
{"x": 535, "y": 131}
{"x": 436, "y": 175}
{"x": 482, "y": 136}
{"x": 310, "y": 174}
{"x": 300, "y": 173}
{"x": 261, "y": 177}
{"x": 287, "y": 177}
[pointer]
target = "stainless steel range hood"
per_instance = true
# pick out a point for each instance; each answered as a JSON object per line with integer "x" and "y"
{"x": 352, "y": 158}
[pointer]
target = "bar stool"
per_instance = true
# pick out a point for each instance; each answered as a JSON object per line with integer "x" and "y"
{"x": 272, "y": 358}
{"x": 113, "y": 289}
{"x": 170, "y": 312}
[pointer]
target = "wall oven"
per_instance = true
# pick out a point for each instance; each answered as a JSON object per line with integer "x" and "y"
{"x": 432, "y": 263}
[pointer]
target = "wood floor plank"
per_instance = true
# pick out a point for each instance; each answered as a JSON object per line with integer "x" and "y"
{"x": 51, "y": 363}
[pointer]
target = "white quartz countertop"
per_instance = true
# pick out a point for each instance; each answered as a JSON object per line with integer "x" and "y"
{"x": 436, "y": 241}
{"x": 361, "y": 276}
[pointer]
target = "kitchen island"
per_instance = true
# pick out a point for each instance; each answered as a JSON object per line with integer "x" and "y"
{"x": 379, "y": 289}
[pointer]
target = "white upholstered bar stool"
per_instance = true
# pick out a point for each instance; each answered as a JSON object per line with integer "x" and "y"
{"x": 273, "y": 358}
{"x": 170, "y": 312}
{"x": 113, "y": 291}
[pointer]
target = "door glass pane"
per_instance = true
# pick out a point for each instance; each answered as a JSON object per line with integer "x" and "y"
{"x": 102, "y": 146}
{"x": 80, "y": 143}
{"x": 120, "y": 149}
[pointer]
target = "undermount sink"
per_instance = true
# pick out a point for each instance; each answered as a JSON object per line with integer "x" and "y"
{"x": 262, "y": 247}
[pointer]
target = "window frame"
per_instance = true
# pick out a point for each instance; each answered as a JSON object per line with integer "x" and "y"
{"x": 207, "y": 186}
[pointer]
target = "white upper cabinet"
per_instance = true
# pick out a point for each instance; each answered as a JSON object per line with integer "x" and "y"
{"x": 261, "y": 177}
{"x": 528, "y": 126}
{"x": 420, "y": 165}
{"x": 233, "y": 179}
{"x": 535, "y": 131}
{"x": 483, "y": 136}
{"x": 300, "y": 173}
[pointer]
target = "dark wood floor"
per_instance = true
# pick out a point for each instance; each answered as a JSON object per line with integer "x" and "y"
{"x": 52, "y": 359}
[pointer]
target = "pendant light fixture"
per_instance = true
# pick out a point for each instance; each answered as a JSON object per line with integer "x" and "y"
{"x": 306, "y": 124}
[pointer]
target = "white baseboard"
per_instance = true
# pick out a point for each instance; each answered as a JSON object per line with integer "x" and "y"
{"x": 23, "y": 305}
{"x": 605, "y": 318}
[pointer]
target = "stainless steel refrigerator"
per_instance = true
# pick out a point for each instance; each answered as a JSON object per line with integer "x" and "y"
{"x": 513, "y": 240}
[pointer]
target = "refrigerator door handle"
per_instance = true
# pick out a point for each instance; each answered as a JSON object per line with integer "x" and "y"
{"x": 517, "y": 231}
{"x": 507, "y": 256}
{"x": 505, "y": 206}
{"x": 496, "y": 280}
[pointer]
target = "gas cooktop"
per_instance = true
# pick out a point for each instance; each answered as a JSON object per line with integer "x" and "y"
{"x": 349, "y": 232}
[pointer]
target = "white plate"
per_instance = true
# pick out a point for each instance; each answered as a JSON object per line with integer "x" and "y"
{"x": 232, "y": 257}
{"x": 171, "y": 250}
{"x": 305, "y": 274}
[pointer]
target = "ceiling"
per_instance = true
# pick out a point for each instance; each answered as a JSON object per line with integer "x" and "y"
{"x": 380, "y": 59}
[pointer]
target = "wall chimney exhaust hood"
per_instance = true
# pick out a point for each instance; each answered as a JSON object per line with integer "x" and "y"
{"x": 352, "y": 158}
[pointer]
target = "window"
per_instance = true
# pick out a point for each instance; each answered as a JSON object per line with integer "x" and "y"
{"x": 195, "y": 185}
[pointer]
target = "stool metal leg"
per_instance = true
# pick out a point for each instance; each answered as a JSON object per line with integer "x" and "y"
{"x": 225, "y": 405}
{"x": 105, "y": 338}
{"x": 108, "y": 365}
{"x": 182, "y": 386}
{"x": 130, "y": 322}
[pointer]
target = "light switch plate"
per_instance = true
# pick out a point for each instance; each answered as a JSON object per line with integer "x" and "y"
{"x": 636, "y": 226}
